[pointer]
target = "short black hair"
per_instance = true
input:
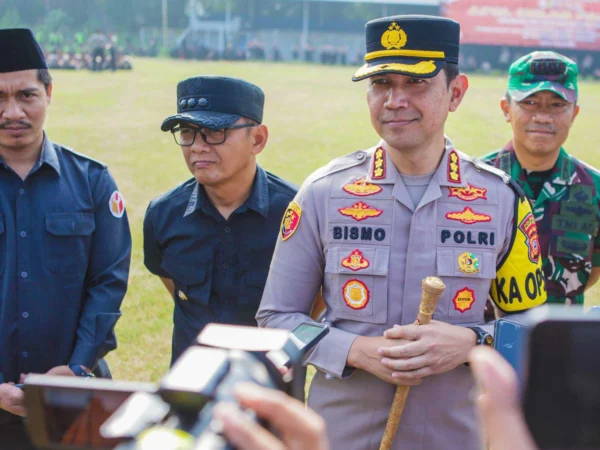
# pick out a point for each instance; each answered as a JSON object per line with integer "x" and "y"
{"x": 45, "y": 78}
{"x": 451, "y": 70}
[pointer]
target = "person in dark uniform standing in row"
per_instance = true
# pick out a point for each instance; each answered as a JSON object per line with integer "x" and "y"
{"x": 211, "y": 239}
{"x": 541, "y": 106}
{"x": 65, "y": 243}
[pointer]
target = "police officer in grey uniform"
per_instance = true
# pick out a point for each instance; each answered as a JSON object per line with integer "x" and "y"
{"x": 369, "y": 226}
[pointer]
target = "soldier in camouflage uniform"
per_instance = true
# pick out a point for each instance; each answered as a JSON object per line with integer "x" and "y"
{"x": 541, "y": 105}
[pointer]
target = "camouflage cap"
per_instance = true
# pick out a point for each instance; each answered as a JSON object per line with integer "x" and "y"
{"x": 543, "y": 71}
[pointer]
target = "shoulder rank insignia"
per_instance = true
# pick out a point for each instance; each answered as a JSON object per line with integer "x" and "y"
{"x": 529, "y": 229}
{"x": 468, "y": 263}
{"x": 361, "y": 188}
{"x": 360, "y": 211}
{"x": 468, "y": 194}
{"x": 356, "y": 294}
{"x": 181, "y": 295}
{"x": 378, "y": 170}
{"x": 468, "y": 216}
{"x": 290, "y": 221}
{"x": 454, "y": 167}
{"x": 464, "y": 299}
{"x": 356, "y": 261}
{"x": 116, "y": 204}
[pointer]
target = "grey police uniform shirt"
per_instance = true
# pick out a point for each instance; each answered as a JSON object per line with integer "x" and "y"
{"x": 355, "y": 233}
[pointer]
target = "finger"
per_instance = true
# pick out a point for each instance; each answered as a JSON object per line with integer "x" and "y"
{"x": 411, "y": 375}
{"x": 495, "y": 375}
{"x": 415, "y": 348}
{"x": 287, "y": 414}
{"x": 243, "y": 433}
{"x": 412, "y": 332}
{"x": 405, "y": 365}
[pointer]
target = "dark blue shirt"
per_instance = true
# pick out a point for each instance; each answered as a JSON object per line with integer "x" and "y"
{"x": 64, "y": 262}
{"x": 219, "y": 266}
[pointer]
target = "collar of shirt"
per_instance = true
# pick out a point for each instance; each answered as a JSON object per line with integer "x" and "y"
{"x": 563, "y": 172}
{"x": 47, "y": 156}
{"x": 257, "y": 201}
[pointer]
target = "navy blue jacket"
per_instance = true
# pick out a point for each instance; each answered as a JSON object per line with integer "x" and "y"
{"x": 65, "y": 248}
{"x": 219, "y": 266}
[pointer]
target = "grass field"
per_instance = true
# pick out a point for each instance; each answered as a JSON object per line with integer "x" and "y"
{"x": 314, "y": 114}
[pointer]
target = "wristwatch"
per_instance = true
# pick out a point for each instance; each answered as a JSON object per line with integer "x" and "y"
{"x": 483, "y": 337}
{"x": 79, "y": 371}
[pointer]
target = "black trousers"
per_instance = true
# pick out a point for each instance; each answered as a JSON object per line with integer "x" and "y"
{"x": 13, "y": 436}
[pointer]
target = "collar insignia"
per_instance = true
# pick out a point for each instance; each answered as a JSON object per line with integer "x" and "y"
{"x": 453, "y": 167}
{"x": 378, "y": 171}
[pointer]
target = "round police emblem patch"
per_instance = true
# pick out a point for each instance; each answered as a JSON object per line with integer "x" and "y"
{"x": 116, "y": 204}
{"x": 356, "y": 294}
{"x": 468, "y": 263}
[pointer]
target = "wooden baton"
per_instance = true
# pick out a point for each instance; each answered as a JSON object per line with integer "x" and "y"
{"x": 432, "y": 289}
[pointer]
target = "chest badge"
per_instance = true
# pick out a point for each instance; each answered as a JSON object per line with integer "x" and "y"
{"x": 181, "y": 295}
{"x": 356, "y": 261}
{"x": 378, "y": 171}
{"x": 116, "y": 205}
{"x": 290, "y": 221}
{"x": 361, "y": 188}
{"x": 360, "y": 211}
{"x": 463, "y": 299}
{"x": 356, "y": 294}
{"x": 468, "y": 194}
{"x": 468, "y": 216}
{"x": 529, "y": 229}
{"x": 454, "y": 167}
{"x": 468, "y": 263}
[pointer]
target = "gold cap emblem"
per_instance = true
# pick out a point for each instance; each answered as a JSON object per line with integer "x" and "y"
{"x": 393, "y": 37}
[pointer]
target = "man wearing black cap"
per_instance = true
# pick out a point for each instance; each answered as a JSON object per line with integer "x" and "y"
{"x": 64, "y": 241}
{"x": 210, "y": 239}
{"x": 368, "y": 227}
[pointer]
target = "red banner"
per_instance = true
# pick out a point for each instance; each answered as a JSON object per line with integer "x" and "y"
{"x": 571, "y": 24}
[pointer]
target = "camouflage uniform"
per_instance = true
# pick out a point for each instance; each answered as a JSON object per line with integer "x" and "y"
{"x": 567, "y": 216}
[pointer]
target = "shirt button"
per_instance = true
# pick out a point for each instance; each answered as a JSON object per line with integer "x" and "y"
{"x": 23, "y": 274}
{"x": 23, "y": 234}
{"x": 25, "y": 315}
{"x": 227, "y": 229}
{"x": 24, "y": 354}
{"x": 225, "y": 266}
{"x": 21, "y": 191}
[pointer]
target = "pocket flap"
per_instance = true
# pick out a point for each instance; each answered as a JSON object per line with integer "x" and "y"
{"x": 471, "y": 263}
{"x": 184, "y": 272}
{"x": 358, "y": 260}
{"x": 73, "y": 224}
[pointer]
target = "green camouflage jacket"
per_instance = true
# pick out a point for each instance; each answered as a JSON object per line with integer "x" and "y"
{"x": 567, "y": 215}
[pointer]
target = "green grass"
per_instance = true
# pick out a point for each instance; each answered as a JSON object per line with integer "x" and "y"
{"x": 314, "y": 114}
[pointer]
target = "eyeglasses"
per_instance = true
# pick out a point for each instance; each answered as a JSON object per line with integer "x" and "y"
{"x": 186, "y": 136}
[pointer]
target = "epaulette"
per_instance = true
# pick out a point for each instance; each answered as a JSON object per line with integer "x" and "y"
{"x": 343, "y": 162}
{"x": 506, "y": 179}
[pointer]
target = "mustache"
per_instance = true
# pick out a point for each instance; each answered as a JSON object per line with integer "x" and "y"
{"x": 9, "y": 123}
